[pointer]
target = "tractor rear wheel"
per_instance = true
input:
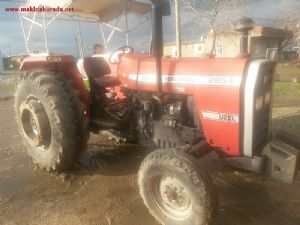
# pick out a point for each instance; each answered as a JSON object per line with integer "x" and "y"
{"x": 175, "y": 190}
{"x": 50, "y": 118}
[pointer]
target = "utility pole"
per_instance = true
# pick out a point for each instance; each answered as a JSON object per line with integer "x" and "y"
{"x": 178, "y": 29}
{"x": 9, "y": 50}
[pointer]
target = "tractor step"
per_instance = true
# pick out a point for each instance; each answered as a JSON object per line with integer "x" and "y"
{"x": 281, "y": 161}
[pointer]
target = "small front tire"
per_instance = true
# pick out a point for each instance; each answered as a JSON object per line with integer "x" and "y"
{"x": 175, "y": 190}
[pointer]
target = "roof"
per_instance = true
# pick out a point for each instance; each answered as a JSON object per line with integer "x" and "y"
{"x": 102, "y": 10}
{"x": 261, "y": 31}
{"x": 257, "y": 31}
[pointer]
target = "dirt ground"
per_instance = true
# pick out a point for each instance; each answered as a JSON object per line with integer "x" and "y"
{"x": 102, "y": 188}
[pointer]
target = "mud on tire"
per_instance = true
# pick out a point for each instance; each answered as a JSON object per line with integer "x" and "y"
{"x": 175, "y": 190}
{"x": 50, "y": 118}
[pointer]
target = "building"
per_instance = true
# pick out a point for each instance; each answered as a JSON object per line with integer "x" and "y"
{"x": 226, "y": 44}
{"x": 13, "y": 62}
{"x": 189, "y": 49}
{"x": 263, "y": 42}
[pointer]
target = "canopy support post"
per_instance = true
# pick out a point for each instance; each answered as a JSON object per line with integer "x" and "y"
{"x": 30, "y": 28}
{"x": 45, "y": 28}
{"x": 80, "y": 47}
{"x": 178, "y": 29}
{"x": 126, "y": 29}
{"x": 102, "y": 35}
{"x": 24, "y": 34}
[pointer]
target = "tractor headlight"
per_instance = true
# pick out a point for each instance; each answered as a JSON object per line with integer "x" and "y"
{"x": 259, "y": 103}
{"x": 267, "y": 98}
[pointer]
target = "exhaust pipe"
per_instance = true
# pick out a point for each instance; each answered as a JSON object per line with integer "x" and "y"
{"x": 160, "y": 8}
{"x": 244, "y": 25}
{"x": 157, "y": 41}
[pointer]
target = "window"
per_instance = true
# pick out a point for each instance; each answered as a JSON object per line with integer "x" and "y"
{"x": 198, "y": 49}
{"x": 174, "y": 52}
{"x": 258, "y": 50}
{"x": 218, "y": 50}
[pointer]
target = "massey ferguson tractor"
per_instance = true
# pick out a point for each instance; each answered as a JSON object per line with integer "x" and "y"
{"x": 187, "y": 107}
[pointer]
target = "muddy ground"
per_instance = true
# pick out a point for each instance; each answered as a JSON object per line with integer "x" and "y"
{"x": 103, "y": 191}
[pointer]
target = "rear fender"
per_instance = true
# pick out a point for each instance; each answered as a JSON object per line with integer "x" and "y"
{"x": 62, "y": 64}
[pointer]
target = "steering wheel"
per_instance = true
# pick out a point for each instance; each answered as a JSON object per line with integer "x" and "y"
{"x": 114, "y": 56}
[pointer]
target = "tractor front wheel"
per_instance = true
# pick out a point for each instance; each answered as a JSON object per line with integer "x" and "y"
{"x": 50, "y": 118}
{"x": 175, "y": 190}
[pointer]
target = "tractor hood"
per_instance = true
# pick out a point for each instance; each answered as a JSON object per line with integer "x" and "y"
{"x": 101, "y": 10}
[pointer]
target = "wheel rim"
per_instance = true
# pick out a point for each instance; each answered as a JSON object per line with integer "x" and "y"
{"x": 172, "y": 197}
{"x": 35, "y": 124}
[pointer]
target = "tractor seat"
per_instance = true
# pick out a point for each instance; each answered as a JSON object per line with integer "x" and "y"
{"x": 98, "y": 70}
{"x": 96, "y": 66}
{"x": 106, "y": 81}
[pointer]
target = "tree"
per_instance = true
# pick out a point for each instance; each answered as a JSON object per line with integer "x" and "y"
{"x": 218, "y": 15}
{"x": 290, "y": 22}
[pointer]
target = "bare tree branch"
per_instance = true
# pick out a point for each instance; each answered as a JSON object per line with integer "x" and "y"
{"x": 217, "y": 15}
{"x": 290, "y": 22}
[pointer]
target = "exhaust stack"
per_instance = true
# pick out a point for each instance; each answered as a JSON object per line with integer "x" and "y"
{"x": 244, "y": 25}
{"x": 157, "y": 41}
{"x": 160, "y": 8}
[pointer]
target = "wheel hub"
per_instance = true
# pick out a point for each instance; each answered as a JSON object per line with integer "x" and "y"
{"x": 34, "y": 122}
{"x": 174, "y": 194}
{"x": 173, "y": 198}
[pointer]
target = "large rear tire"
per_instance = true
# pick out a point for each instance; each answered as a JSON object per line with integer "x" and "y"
{"x": 50, "y": 118}
{"x": 175, "y": 190}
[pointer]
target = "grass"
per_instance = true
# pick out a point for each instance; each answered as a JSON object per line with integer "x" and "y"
{"x": 8, "y": 72}
{"x": 288, "y": 72}
{"x": 286, "y": 88}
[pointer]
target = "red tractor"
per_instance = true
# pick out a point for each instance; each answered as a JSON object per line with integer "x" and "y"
{"x": 187, "y": 107}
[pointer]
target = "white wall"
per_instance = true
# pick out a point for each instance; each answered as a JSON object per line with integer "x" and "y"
{"x": 188, "y": 50}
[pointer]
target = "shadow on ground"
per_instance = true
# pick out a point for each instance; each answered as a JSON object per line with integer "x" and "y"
{"x": 245, "y": 198}
{"x": 110, "y": 160}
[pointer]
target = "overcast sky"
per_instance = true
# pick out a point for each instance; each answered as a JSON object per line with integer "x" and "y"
{"x": 62, "y": 35}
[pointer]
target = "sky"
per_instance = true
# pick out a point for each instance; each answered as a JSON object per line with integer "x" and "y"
{"x": 62, "y": 34}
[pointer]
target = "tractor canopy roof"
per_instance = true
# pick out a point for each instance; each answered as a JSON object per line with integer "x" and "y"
{"x": 101, "y": 10}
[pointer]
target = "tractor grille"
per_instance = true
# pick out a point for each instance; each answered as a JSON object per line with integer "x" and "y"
{"x": 262, "y": 107}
